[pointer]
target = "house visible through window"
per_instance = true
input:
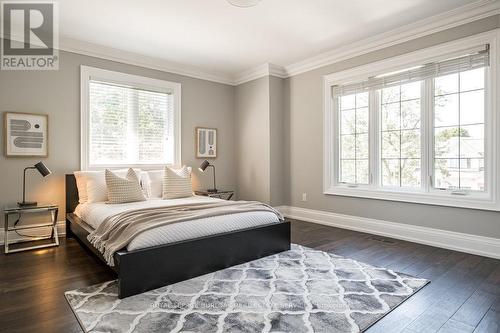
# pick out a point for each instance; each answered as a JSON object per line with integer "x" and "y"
{"x": 418, "y": 133}
{"x": 129, "y": 120}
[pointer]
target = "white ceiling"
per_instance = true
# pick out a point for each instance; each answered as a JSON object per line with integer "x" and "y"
{"x": 214, "y": 36}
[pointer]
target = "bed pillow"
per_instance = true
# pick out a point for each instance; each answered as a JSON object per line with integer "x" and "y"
{"x": 154, "y": 183}
{"x": 122, "y": 190}
{"x": 81, "y": 184}
{"x": 97, "y": 190}
{"x": 177, "y": 183}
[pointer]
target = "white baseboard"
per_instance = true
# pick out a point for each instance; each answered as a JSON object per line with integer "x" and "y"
{"x": 61, "y": 231}
{"x": 480, "y": 245}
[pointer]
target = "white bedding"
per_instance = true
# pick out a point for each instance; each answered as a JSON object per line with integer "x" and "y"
{"x": 94, "y": 213}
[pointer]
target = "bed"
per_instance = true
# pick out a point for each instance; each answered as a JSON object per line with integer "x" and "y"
{"x": 160, "y": 257}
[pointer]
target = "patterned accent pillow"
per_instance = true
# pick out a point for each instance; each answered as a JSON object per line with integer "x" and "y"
{"x": 122, "y": 190}
{"x": 177, "y": 183}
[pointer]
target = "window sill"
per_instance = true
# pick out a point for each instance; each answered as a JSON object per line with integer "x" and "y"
{"x": 473, "y": 201}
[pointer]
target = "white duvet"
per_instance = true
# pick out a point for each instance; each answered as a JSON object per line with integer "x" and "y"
{"x": 94, "y": 213}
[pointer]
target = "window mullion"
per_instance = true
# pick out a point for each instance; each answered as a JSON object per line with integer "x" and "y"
{"x": 374, "y": 114}
{"x": 427, "y": 134}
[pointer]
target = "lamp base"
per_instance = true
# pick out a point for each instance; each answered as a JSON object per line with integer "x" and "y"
{"x": 212, "y": 190}
{"x": 27, "y": 204}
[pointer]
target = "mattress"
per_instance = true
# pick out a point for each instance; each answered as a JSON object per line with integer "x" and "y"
{"x": 94, "y": 213}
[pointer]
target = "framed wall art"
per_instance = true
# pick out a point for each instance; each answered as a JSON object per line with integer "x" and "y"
{"x": 206, "y": 142}
{"x": 26, "y": 134}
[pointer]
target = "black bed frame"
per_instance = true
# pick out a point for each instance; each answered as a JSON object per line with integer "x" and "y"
{"x": 146, "y": 269}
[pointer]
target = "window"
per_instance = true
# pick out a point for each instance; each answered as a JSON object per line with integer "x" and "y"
{"x": 417, "y": 128}
{"x": 459, "y": 131}
{"x": 354, "y": 138}
{"x": 400, "y": 135}
{"x": 128, "y": 120}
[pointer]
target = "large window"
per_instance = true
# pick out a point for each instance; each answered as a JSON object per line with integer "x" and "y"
{"x": 418, "y": 132}
{"x": 128, "y": 120}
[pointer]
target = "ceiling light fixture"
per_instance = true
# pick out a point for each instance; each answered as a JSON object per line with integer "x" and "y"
{"x": 244, "y": 3}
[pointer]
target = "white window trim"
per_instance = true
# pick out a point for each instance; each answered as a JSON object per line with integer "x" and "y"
{"x": 486, "y": 201}
{"x": 91, "y": 73}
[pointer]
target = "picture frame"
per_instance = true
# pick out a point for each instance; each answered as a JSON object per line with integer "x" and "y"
{"x": 206, "y": 142}
{"x": 26, "y": 134}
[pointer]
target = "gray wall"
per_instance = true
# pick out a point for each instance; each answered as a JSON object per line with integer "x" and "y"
{"x": 277, "y": 140}
{"x": 57, "y": 93}
{"x": 260, "y": 140}
{"x": 304, "y": 132}
{"x": 252, "y": 140}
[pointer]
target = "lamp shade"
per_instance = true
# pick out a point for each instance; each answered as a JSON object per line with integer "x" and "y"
{"x": 42, "y": 168}
{"x": 204, "y": 165}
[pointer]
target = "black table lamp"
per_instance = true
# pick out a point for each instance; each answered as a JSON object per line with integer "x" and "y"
{"x": 202, "y": 168}
{"x": 44, "y": 171}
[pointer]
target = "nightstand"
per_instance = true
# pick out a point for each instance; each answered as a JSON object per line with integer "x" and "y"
{"x": 221, "y": 194}
{"x": 18, "y": 212}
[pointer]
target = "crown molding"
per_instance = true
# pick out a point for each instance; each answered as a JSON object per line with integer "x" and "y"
{"x": 453, "y": 18}
{"x": 131, "y": 58}
{"x": 263, "y": 70}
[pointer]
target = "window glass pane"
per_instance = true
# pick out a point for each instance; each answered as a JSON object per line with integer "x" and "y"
{"x": 446, "y": 84}
{"x": 354, "y": 141}
{"x": 472, "y": 141}
{"x": 410, "y": 91}
{"x": 390, "y": 116}
{"x": 348, "y": 171}
{"x": 362, "y": 146}
{"x": 446, "y": 173}
{"x": 410, "y": 172}
{"x": 129, "y": 126}
{"x": 362, "y": 171}
{"x": 459, "y": 144}
{"x": 400, "y": 135}
{"x": 362, "y": 100}
{"x": 472, "y": 80}
{"x": 446, "y": 110}
{"x": 446, "y": 142}
{"x": 108, "y": 123}
{"x": 410, "y": 114}
{"x": 410, "y": 144}
{"x": 348, "y": 121}
{"x": 391, "y": 94}
{"x": 472, "y": 107}
{"x": 347, "y": 146}
{"x": 390, "y": 144}
{"x": 390, "y": 172}
{"x": 472, "y": 174}
{"x": 347, "y": 102}
{"x": 362, "y": 120}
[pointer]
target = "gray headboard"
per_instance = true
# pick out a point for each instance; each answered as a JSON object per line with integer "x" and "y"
{"x": 71, "y": 193}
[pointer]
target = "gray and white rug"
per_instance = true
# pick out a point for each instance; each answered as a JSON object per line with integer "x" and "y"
{"x": 301, "y": 290}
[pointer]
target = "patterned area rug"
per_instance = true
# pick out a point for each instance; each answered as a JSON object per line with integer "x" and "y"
{"x": 301, "y": 290}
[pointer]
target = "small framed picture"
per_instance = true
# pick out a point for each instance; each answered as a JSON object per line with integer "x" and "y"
{"x": 206, "y": 142}
{"x": 26, "y": 134}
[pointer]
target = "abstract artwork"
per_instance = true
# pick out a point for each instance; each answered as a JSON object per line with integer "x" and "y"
{"x": 25, "y": 134}
{"x": 206, "y": 142}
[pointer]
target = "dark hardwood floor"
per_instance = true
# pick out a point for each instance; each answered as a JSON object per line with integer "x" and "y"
{"x": 464, "y": 294}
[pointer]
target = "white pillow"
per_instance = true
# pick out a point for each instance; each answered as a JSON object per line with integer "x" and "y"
{"x": 97, "y": 190}
{"x": 154, "y": 183}
{"x": 81, "y": 184}
{"x": 123, "y": 190}
{"x": 177, "y": 183}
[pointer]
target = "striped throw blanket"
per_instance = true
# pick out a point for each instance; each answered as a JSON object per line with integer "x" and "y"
{"x": 118, "y": 230}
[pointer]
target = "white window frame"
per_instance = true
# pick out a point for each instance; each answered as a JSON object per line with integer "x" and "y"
{"x": 91, "y": 73}
{"x": 488, "y": 200}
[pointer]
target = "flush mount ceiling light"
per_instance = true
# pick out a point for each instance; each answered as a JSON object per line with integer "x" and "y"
{"x": 243, "y": 3}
